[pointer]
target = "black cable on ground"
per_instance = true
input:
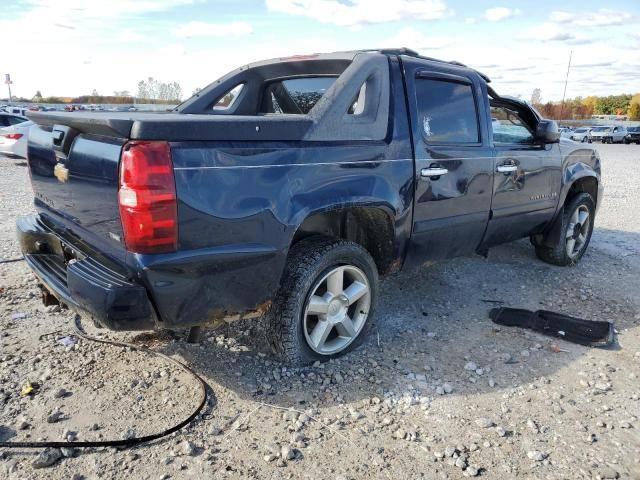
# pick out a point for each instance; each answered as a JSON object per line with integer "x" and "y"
{"x": 11, "y": 260}
{"x": 129, "y": 441}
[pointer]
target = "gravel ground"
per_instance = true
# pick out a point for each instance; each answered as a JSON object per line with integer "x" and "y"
{"x": 437, "y": 392}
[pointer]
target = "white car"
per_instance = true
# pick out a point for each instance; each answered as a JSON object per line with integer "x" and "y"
{"x": 14, "y": 130}
{"x": 581, "y": 134}
{"x": 14, "y": 110}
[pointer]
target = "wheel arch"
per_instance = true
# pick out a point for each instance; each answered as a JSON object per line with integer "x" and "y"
{"x": 586, "y": 180}
{"x": 371, "y": 226}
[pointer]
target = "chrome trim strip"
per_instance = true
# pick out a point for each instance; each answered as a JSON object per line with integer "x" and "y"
{"x": 295, "y": 164}
{"x": 500, "y": 155}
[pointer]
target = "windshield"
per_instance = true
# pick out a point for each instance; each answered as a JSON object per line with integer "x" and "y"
{"x": 580, "y": 130}
{"x": 600, "y": 129}
{"x": 633, "y": 129}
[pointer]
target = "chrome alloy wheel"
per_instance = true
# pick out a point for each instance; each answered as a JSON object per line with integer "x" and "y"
{"x": 337, "y": 310}
{"x": 577, "y": 231}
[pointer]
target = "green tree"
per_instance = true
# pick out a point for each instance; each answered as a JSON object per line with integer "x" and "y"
{"x": 634, "y": 107}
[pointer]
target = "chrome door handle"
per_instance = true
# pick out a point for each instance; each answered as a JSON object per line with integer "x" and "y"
{"x": 507, "y": 168}
{"x": 433, "y": 172}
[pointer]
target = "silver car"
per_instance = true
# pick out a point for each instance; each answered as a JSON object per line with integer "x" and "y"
{"x": 581, "y": 134}
{"x": 609, "y": 134}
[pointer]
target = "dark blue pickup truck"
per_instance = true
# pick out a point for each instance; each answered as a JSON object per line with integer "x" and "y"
{"x": 286, "y": 188}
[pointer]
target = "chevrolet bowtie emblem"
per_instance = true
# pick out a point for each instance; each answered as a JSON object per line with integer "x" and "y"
{"x": 61, "y": 172}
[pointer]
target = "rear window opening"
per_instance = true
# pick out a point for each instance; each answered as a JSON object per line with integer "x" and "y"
{"x": 294, "y": 96}
{"x": 357, "y": 106}
{"x": 228, "y": 99}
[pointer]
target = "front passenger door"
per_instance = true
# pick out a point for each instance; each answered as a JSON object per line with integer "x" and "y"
{"x": 527, "y": 178}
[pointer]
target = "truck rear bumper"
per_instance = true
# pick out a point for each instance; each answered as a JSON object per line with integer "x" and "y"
{"x": 82, "y": 282}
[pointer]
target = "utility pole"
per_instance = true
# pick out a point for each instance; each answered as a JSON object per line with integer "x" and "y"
{"x": 566, "y": 80}
{"x": 7, "y": 80}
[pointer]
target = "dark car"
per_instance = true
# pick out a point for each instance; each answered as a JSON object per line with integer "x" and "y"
{"x": 287, "y": 187}
{"x": 633, "y": 135}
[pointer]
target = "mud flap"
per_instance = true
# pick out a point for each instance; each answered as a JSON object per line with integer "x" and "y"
{"x": 576, "y": 330}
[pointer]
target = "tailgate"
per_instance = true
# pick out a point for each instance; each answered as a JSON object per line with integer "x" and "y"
{"x": 75, "y": 182}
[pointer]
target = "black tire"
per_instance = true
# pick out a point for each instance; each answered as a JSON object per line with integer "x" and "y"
{"x": 584, "y": 140}
{"x": 309, "y": 261}
{"x": 558, "y": 255}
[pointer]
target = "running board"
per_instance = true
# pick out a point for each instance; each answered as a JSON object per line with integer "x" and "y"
{"x": 576, "y": 330}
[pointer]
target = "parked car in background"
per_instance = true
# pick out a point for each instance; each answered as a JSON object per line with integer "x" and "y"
{"x": 581, "y": 134}
{"x": 608, "y": 134}
{"x": 633, "y": 135}
{"x": 14, "y": 130}
{"x": 16, "y": 110}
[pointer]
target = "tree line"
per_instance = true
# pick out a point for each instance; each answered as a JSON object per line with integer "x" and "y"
{"x": 149, "y": 91}
{"x": 580, "y": 108}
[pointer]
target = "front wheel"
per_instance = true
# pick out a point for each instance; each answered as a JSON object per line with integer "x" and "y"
{"x": 326, "y": 301}
{"x": 575, "y": 233}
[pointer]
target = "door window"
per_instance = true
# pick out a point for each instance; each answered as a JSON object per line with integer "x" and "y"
{"x": 508, "y": 128}
{"x": 447, "y": 112}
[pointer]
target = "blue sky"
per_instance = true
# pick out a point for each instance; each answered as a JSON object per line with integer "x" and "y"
{"x": 70, "y": 47}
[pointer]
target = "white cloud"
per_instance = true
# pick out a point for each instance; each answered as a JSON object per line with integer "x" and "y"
{"x": 470, "y": 21}
{"x": 411, "y": 38}
{"x": 358, "y": 12}
{"x": 204, "y": 29}
{"x": 550, "y": 32}
{"x": 602, "y": 18}
{"x": 101, "y": 37}
{"x": 498, "y": 14}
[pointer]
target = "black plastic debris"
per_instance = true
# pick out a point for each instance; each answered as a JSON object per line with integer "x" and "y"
{"x": 571, "y": 329}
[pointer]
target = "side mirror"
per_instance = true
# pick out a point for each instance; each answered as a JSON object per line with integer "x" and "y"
{"x": 547, "y": 131}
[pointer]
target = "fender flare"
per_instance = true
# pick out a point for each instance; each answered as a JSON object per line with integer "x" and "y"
{"x": 571, "y": 175}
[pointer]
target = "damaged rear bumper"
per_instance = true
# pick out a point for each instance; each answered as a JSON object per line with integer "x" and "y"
{"x": 142, "y": 292}
{"x": 83, "y": 283}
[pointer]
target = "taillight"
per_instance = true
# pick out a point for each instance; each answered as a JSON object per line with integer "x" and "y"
{"x": 147, "y": 198}
{"x": 13, "y": 136}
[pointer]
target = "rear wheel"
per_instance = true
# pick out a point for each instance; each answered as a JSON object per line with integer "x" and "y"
{"x": 326, "y": 301}
{"x": 576, "y": 229}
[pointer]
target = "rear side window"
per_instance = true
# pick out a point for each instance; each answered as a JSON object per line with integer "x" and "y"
{"x": 228, "y": 99}
{"x": 15, "y": 120}
{"x": 295, "y": 96}
{"x": 447, "y": 112}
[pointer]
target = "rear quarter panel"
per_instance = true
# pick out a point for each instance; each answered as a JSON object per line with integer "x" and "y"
{"x": 241, "y": 204}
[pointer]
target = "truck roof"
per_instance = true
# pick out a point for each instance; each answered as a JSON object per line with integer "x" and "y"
{"x": 351, "y": 54}
{"x": 412, "y": 53}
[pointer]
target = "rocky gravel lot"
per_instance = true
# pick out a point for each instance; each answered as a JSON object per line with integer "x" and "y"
{"x": 438, "y": 391}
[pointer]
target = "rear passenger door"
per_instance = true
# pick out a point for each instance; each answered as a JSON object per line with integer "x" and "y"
{"x": 453, "y": 160}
